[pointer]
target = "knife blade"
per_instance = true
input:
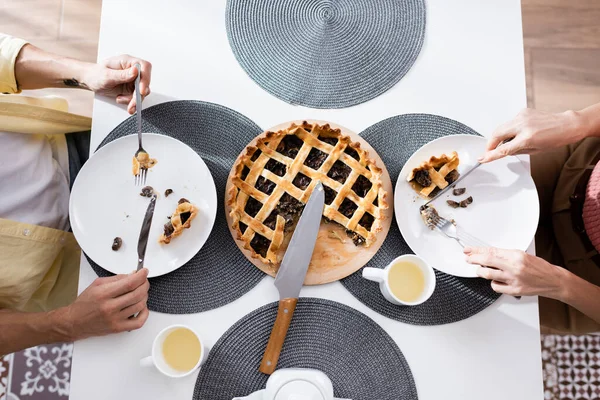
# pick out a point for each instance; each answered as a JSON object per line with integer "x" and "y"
{"x": 145, "y": 233}
{"x": 453, "y": 184}
{"x": 291, "y": 275}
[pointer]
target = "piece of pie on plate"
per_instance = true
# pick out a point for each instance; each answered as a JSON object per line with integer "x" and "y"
{"x": 434, "y": 174}
{"x": 272, "y": 181}
{"x": 142, "y": 160}
{"x": 180, "y": 220}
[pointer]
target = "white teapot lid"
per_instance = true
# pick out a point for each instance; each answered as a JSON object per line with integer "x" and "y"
{"x": 299, "y": 390}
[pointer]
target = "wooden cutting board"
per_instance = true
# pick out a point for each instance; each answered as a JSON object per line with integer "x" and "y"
{"x": 332, "y": 259}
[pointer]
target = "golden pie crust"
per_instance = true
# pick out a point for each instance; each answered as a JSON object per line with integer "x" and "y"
{"x": 178, "y": 226}
{"x": 142, "y": 160}
{"x": 437, "y": 169}
{"x": 297, "y": 181}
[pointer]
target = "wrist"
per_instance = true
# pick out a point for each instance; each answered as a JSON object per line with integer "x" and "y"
{"x": 588, "y": 122}
{"x": 565, "y": 282}
{"x": 62, "y": 325}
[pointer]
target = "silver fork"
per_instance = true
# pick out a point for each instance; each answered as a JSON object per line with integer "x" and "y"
{"x": 140, "y": 178}
{"x": 452, "y": 231}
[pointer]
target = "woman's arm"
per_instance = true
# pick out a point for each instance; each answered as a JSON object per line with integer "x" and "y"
{"x": 532, "y": 131}
{"x": 517, "y": 273}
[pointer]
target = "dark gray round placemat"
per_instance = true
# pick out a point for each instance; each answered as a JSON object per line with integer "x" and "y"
{"x": 219, "y": 273}
{"x": 324, "y": 53}
{"x": 360, "y": 358}
{"x": 395, "y": 140}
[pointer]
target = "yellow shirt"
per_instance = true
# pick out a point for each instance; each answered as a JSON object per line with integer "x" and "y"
{"x": 39, "y": 266}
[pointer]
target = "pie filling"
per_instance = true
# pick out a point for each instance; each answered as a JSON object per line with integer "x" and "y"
{"x": 429, "y": 178}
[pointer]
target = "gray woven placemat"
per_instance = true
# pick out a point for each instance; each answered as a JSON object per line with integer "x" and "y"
{"x": 360, "y": 358}
{"x": 395, "y": 140}
{"x": 324, "y": 53}
{"x": 219, "y": 273}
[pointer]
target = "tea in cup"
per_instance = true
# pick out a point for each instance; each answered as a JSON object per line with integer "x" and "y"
{"x": 177, "y": 351}
{"x": 408, "y": 280}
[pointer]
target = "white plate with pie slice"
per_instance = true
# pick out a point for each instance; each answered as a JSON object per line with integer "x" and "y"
{"x": 504, "y": 212}
{"x": 105, "y": 203}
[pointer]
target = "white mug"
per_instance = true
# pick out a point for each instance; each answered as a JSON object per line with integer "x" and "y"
{"x": 381, "y": 276}
{"x": 157, "y": 360}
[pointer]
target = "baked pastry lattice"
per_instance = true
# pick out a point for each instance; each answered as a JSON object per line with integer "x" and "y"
{"x": 272, "y": 181}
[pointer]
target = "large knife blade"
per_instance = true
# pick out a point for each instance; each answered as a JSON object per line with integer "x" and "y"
{"x": 291, "y": 275}
{"x": 145, "y": 233}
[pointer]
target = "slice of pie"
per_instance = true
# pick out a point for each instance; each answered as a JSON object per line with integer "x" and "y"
{"x": 142, "y": 160}
{"x": 272, "y": 181}
{"x": 180, "y": 220}
{"x": 435, "y": 174}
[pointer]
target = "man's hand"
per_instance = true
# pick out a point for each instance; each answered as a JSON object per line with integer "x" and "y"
{"x": 517, "y": 273}
{"x": 108, "y": 304}
{"x": 115, "y": 77}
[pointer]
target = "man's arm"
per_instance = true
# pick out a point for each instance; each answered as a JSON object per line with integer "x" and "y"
{"x": 107, "y": 306}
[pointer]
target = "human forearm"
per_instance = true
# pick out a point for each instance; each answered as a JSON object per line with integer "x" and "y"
{"x": 580, "y": 294}
{"x": 19, "y": 330}
{"x": 36, "y": 69}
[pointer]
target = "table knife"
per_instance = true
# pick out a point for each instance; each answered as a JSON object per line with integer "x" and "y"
{"x": 145, "y": 233}
{"x": 463, "y": 176}
{"x": 291, "y": 275}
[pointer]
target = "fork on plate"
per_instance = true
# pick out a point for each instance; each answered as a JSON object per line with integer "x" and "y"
{"x": 140, "y": 177}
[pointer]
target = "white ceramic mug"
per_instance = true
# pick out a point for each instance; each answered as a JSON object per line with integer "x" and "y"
{"x": 381, "y": 276}
{"x": 157, "y": 360}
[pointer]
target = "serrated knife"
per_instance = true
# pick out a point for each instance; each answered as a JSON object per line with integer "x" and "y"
{"x": 291, "y": 274}
{"x": 145, "y": 233}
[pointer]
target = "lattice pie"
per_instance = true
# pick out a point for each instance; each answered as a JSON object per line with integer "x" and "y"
{"x": 435, "y": 174}
{"x": 273, "y": 180}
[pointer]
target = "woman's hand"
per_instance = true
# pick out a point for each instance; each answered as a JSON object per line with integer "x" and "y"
{"x": 533, "y": 131}
{"x": 517, "y": 273}
{"x": 115, "y": 77}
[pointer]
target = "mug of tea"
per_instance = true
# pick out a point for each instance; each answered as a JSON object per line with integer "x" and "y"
{"x": 408, "y": 280}
{"x": 177, "y": 351}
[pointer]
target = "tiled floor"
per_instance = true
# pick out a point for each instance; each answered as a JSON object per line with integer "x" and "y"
{"x": 562, "y": 55}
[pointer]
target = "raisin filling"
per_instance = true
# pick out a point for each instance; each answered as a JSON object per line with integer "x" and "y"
{"x": 169, "y": 229}
{"x": 352, "y": 153}
{"x": 253, "y": 206}
{"x": 329, "y": 140}
{"x": 330, "y": 195}
{"x": 315, "y": 158}
{"x": 260, "y": 244}
{"x": 245, "y": 172}
{"x": 185, "y": 216}
{"x": 339, "y": 171}
{"x": 362, "y": 186}
{"x": 422, "y": 178}
{"x": 275, "y": 167}
{"x": 301, "y": 181}
{"x": 347, "y": 208}
{"x": 265, "y": 185}
{"x": 255, "y": 155}
{"x": 290, "y": 146}
{"x": 367, "y": 221}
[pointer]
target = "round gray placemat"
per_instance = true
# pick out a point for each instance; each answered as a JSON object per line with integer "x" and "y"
{"x": 395, "y": 140}
{"x": 360, "y": 358}
{"x": 325, "y": 53}
{"x": 219, "y": 273}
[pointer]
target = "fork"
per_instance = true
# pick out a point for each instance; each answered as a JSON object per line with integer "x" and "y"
{"x": 140, "y": 177}
{"x": 452, "y": 231}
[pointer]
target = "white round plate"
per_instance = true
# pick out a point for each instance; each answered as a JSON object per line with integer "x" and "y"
{"x": 105, "y": 203}
{"x": 504, "y": 213}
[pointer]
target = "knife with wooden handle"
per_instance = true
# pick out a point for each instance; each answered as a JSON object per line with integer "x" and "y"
{"x": 291, "y": 274}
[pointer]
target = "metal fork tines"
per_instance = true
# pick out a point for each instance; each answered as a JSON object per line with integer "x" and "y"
{"x": 140, "y": 178}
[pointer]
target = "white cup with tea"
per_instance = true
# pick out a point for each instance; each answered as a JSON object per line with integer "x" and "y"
{"x": 408, "y": 280}
{"x": 177, "y": 351}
